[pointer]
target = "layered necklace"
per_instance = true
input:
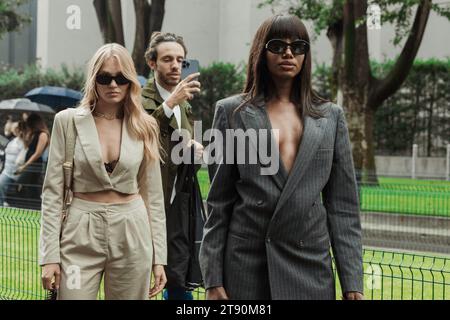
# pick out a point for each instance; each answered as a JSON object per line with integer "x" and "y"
{"x": 108, "y": 116}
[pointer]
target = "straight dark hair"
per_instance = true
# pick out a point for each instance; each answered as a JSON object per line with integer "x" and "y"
{"x": 259, "y": 81}
{"x": 34, "y": 124}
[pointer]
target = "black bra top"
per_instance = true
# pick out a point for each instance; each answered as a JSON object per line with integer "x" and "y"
{"x": 110, "y": 166}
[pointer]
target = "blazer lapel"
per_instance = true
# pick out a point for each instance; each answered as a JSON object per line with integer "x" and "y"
{"x": 88, "y": 135}
{"x": 312, "y": 136}
{"x": 255, "y": 118}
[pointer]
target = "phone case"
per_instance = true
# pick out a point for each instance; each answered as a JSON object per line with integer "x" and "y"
{"x": 189, "y": 67}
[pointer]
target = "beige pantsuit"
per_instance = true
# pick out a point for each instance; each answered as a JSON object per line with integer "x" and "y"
{"x": 120, "y": 241}
{"x": 106, "y": 239}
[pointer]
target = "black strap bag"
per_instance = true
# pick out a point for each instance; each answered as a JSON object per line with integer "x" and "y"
{"x": 185, "y": 220}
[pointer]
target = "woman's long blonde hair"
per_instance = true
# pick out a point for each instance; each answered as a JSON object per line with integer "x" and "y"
{"x": 141, "y": 125}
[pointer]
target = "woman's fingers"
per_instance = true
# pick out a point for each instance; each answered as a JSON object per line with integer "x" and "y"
{"x": 160, "y": 281}
{"x": 47, "y": 279}
{"x": 49, "y": 273}
{"x": 57, "y": 280}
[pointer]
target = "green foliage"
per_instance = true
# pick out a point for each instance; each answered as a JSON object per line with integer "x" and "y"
{"x": 322, "y": 12}
{"x": 401, "y": 13}
{"x": 10, "y": 18}
{"x": 16, "y": 83}
{"x": 322, "y": 81}
{"x": 419, "y": 112}
{"x": 326, "y": 13}
{"x": 219, "y": 80}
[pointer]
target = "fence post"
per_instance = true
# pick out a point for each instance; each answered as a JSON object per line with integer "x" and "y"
{"x": 447, "y": 172}
{"x": 413, "y": 162}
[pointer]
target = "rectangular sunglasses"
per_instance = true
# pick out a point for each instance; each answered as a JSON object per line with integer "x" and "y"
{"x": 106, "y": 79}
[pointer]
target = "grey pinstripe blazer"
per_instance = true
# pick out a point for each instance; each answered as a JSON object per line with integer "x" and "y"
{"x": 269, "y": 236}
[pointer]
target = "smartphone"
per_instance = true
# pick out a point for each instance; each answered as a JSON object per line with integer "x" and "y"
{"x": 189, "y": 67}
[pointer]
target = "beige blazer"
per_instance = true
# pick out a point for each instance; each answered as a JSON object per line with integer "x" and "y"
{"x": 131, "y": 175}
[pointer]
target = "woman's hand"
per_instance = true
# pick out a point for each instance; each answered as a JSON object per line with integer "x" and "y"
{"x": 353, "y": 296}
{"x": 20, "y": 169}
{"x": 160, "y": 280}
{"x": 50, "y": 272}
{"x": 198, "y": 148}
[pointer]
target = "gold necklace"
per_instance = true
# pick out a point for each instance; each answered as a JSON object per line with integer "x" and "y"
{"x": 107, "y": 116}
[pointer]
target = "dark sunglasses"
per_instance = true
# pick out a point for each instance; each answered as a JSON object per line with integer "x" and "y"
{"x": 106, "y": 79}
{"x": 278, "y": 46}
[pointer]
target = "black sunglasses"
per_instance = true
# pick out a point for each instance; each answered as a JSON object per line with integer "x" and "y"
{"x": 278, "y": 46}
{"x": 106, "y": 79}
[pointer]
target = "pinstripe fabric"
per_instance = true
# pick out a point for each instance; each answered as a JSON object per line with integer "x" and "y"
{"x": 269, "y": 236}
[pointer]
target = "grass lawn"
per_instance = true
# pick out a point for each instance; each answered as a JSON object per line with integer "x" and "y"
{"x": 388, "y": 275}
{"x": 396, "y": 195}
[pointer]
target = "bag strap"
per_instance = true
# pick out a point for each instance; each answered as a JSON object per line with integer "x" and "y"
{"x": 184, "y": 173}
{"x": 198, "y": 194}
{"x": 68, "y": 163}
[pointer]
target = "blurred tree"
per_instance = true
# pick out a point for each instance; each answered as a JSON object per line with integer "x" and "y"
{"x": 149, "y": 18}
{"x": 10, "y": 17}
{"x": 417, "y": 113}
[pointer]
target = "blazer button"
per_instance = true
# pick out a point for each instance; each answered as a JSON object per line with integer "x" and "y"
{"x": 260, "y": 203}
{"x": 268, "y": 240}
{"x": 301, "y": 243}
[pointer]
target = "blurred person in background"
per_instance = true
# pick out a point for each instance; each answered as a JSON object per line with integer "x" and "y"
{"x": 8, "y": 130}
{"x": 36, "y": 139}
{"x": 13, "y": 151}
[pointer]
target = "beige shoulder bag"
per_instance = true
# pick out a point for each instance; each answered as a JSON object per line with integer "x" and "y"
{"x": 68, "y": 165}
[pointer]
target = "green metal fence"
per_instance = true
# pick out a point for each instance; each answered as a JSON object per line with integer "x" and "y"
{"x": 403, "y": 276}
{"x": 19, "y": 237}
{"x": 388, "y": 275}
{"x": 406, "y": 201}
{"x": 414, "y": 187}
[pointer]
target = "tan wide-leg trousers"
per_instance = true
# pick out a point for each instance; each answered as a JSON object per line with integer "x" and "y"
{"x": 110, "y": 240}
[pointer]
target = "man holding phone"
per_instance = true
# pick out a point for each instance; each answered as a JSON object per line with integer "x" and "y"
{"x": 166, "y": 97}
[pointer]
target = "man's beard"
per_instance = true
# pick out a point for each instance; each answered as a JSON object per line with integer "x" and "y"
{"x": 168, "y": 82}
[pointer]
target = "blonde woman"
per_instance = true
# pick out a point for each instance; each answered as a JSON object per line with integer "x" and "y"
{"x": 115, "y": 226}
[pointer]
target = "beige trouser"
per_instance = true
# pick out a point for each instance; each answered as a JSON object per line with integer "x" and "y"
{"x": 110, "y": 240}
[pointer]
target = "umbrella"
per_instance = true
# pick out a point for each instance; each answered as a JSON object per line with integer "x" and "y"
{"x": 24, "y": 105}
{"x": 55, "y": 97}
{"x": 142, "y": 80}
